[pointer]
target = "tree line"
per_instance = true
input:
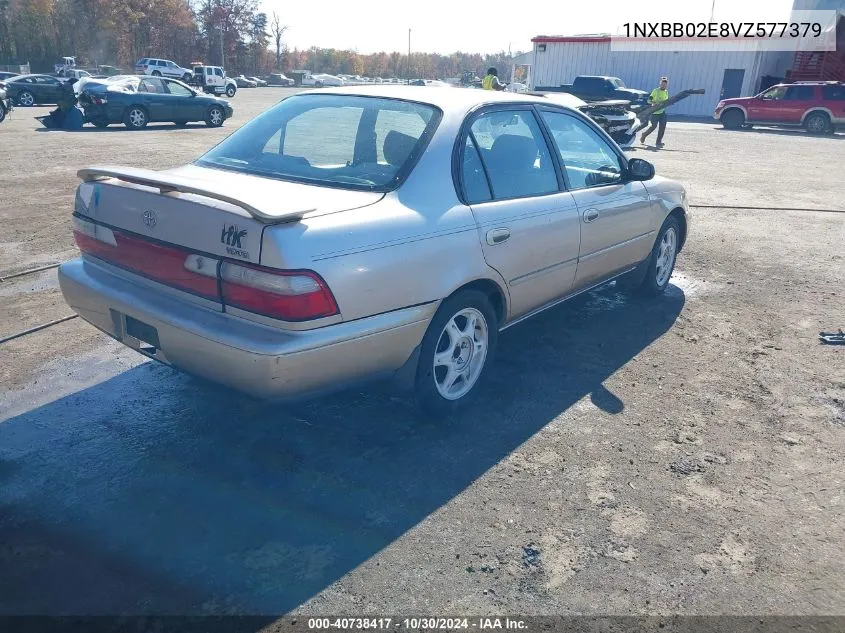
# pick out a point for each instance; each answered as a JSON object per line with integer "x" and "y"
{"x": 232, "y": 33}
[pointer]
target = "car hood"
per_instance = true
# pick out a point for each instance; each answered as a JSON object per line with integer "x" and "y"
{"x": 736, "y": 100}
{"x": 637, "y": 94}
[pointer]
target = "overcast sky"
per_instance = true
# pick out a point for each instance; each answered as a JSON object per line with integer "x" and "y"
{"x": 445, "y": 26}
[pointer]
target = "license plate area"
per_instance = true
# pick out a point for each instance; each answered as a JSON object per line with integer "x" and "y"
{"x": 143, "y": 337}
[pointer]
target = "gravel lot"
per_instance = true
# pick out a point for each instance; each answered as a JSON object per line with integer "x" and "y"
{"x": 676, "y": 456}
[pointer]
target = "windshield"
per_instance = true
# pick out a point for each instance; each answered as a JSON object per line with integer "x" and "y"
{"x": 353, "y": 142}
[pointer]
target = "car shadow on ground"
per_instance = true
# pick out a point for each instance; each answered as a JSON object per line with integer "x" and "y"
{"x": 153, "y": 492}
{"x": 839, "y": 136}
{"x": 119, "y": 127}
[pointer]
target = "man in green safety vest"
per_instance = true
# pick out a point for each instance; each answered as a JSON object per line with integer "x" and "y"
{"x": 658, "y": 118}
{"x": 491, "y": 81}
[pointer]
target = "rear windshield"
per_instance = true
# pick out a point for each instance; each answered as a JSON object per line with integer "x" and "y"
{"x": 352, "y": 142}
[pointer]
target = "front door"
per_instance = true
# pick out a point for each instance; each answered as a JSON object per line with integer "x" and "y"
{"x": 767, "y": 105}
{"x": 528, "y": 227}
{"x": 732, "y": 83}
{"x": 618, "y": 220}
{"x": 183, "y": 105}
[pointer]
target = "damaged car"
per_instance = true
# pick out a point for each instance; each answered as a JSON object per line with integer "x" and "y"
{"x": 136, "y": 101}
{"x": 614, "y": 117}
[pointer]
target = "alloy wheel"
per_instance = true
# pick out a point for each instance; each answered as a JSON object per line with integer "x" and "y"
{"x": 460, "y": 353}
{"x": 666, "y": 254}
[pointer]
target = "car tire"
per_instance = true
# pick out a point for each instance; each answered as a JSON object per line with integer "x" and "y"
{"x": 186, "y": 77}
{"x": 732, "y": 119}
{"x": 156, "y": 73}
{"x": 136, "y": 118}
{"x": 661, "y": 262}
{"x": 26, "y": 99}
{"x": 319, "y": 84}
{"x": 230, "y": 91}
{"x": 817, "y": 123}
{"x": 215, "y": 117}
{"x": 449, "y": 335}
{"x": 2, "y": 114}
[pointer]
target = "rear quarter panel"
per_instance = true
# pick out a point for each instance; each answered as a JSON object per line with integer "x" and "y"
{"x": 417, "y": 245}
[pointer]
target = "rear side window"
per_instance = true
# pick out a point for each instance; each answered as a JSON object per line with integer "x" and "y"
{"x": 800, "y": 93}
{"x": 833, "y": 93}
{"x": 515, "y": 154}
{"x": 364, "y": 143}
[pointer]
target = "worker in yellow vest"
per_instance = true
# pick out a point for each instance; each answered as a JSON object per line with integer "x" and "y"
{"x": 491, "y": 81}
{"x": 658, "y": 117}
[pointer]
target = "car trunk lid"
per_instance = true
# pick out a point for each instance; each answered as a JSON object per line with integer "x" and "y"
{"x": 195, "y": 228}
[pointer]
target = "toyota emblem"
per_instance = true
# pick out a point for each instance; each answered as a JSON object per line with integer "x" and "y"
{"x": 149, "y": 219}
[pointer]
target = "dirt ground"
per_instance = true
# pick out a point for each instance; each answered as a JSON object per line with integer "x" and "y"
{"x": 682, "y": 455}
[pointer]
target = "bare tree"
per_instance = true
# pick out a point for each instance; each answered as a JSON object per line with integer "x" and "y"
{"x": 277, "y": 30}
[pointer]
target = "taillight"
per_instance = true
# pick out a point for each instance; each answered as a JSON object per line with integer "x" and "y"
{"x": 172, "y": 266}
{"x": 287, "y": 295}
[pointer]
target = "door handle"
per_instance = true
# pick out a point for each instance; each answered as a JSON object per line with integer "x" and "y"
{"x": 590, "y": 215}
{"x": 497, "y": 236}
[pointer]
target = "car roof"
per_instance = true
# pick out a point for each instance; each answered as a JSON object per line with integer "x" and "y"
{"x": 447, "y": 99}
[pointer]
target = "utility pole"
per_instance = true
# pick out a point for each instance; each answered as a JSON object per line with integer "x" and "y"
{"x": 409, "y": 56}
{"x": 222, "y": 62}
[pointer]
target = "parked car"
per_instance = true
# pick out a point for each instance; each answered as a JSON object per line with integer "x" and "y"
{"x": 5, "y": 102}
{"x": 136, "y": 101}
{"x": 162, "y": 68}
{"x": 319, "y": 80}
{"x": 281, "y": 269}
{"x": 278, "y": 79}
{"x": 243, "y": 82}
{"x": 29, "y": 90}
{"x": 600, "y": 88}
{"x": 61, "y": 68}
{"x": 258, "y": 82}
{"x": 818, "y": 107}
{"x": 76, "y": 73}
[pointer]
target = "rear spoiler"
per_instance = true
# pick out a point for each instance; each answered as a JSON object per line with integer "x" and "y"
{"x": 168, "y": 184}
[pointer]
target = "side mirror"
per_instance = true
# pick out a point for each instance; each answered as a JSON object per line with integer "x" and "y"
{"x": 639, "y": 169}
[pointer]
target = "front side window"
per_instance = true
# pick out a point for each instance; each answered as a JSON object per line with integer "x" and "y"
{"x": 218, "y": 72}
{"x": 178, "y": 89}
{"x": 774, "y": 94}
{"x": 587, "y": 159}
{"x": 171, "y": 65}
{"x": 515, "y": 154}
{"x": 364, "y": 143}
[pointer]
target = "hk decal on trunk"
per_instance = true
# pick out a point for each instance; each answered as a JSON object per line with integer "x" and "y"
{"x": 234, "y": 238}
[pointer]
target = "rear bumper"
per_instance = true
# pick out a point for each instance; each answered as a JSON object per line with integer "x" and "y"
{"x": 247, "y": 356}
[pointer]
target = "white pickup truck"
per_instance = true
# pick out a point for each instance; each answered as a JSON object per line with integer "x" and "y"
{"x": 319, "y": 80}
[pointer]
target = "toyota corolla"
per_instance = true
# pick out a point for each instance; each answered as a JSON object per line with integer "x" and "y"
{"x": 354, "y": 233}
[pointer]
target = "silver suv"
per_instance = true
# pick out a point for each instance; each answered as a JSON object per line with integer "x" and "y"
{"x": 162, "y": 68}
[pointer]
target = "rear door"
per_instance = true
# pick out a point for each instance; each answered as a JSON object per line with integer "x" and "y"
{"x": 528, "y": 226}
{"x": 48, "y": 89}
{"x": 617, "y": 218}
{"x": 798, "y": 100}
{"x": 152, "y": 94}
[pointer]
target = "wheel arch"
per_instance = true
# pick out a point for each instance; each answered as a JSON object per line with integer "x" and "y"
{"x": 817, "y": 110}
{"x": 493, "y": 291}
{"x": 728, "y": 108}
{"x": 679, "y": 214}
